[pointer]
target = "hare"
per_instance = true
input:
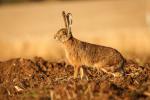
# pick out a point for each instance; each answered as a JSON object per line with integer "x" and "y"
{"x": 81, "y": 53}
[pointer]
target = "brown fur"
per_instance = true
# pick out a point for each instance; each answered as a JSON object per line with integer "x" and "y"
{"x": 81, "y": 53}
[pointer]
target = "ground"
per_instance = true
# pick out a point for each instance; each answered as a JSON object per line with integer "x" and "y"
{"x": 40, "y": 79}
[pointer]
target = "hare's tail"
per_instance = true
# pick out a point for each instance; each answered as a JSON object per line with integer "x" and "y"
{"x": 121, "y": 67}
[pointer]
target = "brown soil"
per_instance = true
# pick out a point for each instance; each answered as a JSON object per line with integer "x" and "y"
{"x": 40, "y": 79}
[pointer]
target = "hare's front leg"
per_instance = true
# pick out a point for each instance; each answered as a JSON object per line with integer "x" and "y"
{"x": 76, "y": 70}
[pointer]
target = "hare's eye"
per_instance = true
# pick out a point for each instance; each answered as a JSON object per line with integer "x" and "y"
{"x": 64, "y": 33}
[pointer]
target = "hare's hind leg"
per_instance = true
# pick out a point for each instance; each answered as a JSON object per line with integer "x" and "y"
{"x": 110, "y": 73}
{"x": 107, "y": 72}
{"x": 103, "y": 68}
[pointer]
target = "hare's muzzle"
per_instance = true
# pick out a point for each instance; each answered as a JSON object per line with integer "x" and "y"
{"x": 54, "y": 36}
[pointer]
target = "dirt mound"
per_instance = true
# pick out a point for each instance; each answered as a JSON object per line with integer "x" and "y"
{"x": 40, "y": 79}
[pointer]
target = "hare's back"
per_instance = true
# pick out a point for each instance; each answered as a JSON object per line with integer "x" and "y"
{"x": 96, "y": 53}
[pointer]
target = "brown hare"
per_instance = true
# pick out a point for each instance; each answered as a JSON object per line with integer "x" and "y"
{"x": 81, "y": 53}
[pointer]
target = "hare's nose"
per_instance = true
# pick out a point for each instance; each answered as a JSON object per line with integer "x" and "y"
{"x": 54, "y": 36}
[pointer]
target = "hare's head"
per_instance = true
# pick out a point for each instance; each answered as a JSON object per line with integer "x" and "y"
{"x": 65, "y": 34}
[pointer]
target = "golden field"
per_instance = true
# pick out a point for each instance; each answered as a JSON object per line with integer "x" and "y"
{"x": 26, "y": 30}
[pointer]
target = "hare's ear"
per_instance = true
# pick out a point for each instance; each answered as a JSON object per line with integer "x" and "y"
{"x": 69, "y": 21}
{"x": 65, "y": 18}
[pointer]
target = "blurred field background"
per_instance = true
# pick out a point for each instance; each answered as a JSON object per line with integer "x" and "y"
{"x": 27, "y": 27}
